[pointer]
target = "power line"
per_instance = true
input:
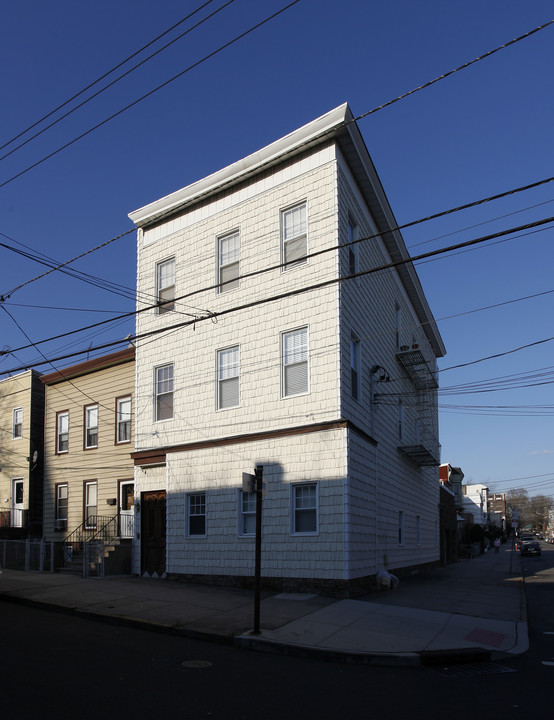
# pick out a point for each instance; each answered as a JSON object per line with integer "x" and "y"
{"x": 298, "y": 291}
{"x": 151, "y": 92}
{"x": 113, "y": 82}
{"x": 102, "y": 77}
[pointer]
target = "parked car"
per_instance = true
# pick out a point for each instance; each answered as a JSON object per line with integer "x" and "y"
{"x": 523, "y": 539}
{"x": 532, "y": 547}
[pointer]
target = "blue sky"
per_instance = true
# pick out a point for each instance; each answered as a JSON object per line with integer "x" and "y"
{"x": 479, "y": 132}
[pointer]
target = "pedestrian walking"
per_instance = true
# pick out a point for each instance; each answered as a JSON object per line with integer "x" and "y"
{"x": 497, "y": 545}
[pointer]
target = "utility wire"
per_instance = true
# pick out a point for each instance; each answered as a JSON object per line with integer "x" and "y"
{"x": 151, "y": 92}
{"x": 299, "y": 291}
{"x": 120, "y": 77}
{"x": 102, "y": 77}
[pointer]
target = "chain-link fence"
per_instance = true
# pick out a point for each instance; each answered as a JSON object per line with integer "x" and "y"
{"x": 35, "y": 555}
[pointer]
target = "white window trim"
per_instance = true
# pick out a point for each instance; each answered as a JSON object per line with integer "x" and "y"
{"x": 188, "y": 514}
{"x": 302, "y": 261}
{"x": 160, "y": 309}
{"x": 401, "y": 528}
{"x": 293, "y": 508}
{"x": 353, "y": 248}
{"x": 228, "y": 287}
{"x": 88, "y": 484}
{"x": 241, "y": 514}
{"x": 59, "y": 522}
{"x": 218, "y": 379}
{"x": 283, "y": 366}
{"x": 118, "y": 421}
{"x": 59, "y": 416}
{"x": 15, "y": 424}
{"x": 156, "y": 369}
{"x": 88, "y": 427}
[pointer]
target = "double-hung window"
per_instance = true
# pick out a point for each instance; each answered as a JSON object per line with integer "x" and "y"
{"x": 304, "y": 508}
{"x": 17, "y": 424}
{"x": 62, "y": 432}
{"x": 228, "y": 368}
{"x": 60, "y": 522}
{"x": 91, "y": 503}
{"x": 228, "y": 262}
{"x": 91, "y": 426}
{"x": 247, "y": 513}
{"x": 294, "y": 236}
{"x": 123, "y": 420}
{"x": 401, "y": 527}
{"x": 163, "y": 391}
{"x": 196, "y": 511}
{"x": 353, "y": 249}
{"x": 294, "y": 361}
{"x": 355, "y": 367}
{"x": 165, "y": 286}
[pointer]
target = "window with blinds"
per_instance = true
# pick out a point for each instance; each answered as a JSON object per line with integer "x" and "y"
{"x": 294, "y": 351}
{"x": 294, "y": 238}
{"x": 228, "y": 262}
{"x": 228, "y": 369}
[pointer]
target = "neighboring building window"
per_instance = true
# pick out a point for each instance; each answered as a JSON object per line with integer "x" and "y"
{"x": 401, "y": 421}
{"x": 353, "y": 249}
{"x": 228, "y": 368}
{"x": 228, "y": 262}
{"x": 294, "y": 353}
{"x": 418, "y": 529}
{"x": 17, "y": 425}
{"x": 247, "y": 513}
{"x": 398, "y": 327}
{"x": 355, "y": 367}
{"x": 91, "y": 426}
{"x": 294, "y": 238}
{"x": 304, "y": 508}
{"x": 123, "y": 420}
{"x": 164, "y": 392}
{"x": 196, "y": 514}
{"x": 62, "y": 432}
{"x": 165, "y": 285}
{"x": 401, "y": 527}
{"x": 91, "y": 503}
{"x": 60, "y": 522}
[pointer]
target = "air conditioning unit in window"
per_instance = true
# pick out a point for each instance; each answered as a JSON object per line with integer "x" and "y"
{"x": 60, "y": 525}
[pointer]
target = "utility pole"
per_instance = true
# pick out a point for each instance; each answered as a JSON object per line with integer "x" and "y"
{"x": 254, "y": 483}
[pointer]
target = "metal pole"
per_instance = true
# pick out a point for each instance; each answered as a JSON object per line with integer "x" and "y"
{"x": 258, "y": 561}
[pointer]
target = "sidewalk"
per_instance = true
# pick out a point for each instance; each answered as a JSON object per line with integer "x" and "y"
{"x": 472, "y": 609}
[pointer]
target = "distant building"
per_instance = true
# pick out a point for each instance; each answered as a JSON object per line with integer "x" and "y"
{"x": 332, "y": 391}
{"x": 497, "y": 510}
{"x": 88, "y": 430}
{"x": 21, "y": 455}
{"x": 476, "y": 499}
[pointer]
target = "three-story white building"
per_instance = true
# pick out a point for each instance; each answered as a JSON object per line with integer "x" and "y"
{"x": 291, "y": 331}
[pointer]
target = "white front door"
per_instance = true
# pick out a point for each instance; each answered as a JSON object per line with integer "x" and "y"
{"x": 17, "y": 502}
{"x": 127, "y": 509}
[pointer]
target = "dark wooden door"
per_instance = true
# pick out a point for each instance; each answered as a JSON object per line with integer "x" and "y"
{"x": 153, "y": 532}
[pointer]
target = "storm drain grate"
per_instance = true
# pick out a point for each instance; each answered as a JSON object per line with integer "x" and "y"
{"x": 470, "y": 669}
{"x": 486, "y": 637}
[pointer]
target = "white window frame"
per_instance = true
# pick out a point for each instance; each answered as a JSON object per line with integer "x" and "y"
{"x": 170, "y": 381}
{"x": 246, "y": 513}
{"x": 60, "y": 431}
{"x": 353, "y": 248}
{"x": 123, "y": 419}
{"x": 401, "y": 529}
{"x": 294, "y": 231}
{"x": 60, "y": 521}
{"x": 227, "y": 262}
{"x": 355, "y": 368}
{"x": 89, "y": 411}
{"x": 192, "y": 512}
{"x": 289, "y": 360}
{"x": 17, "y": 423}
{"x": 165, "y": 286}
{"x": 89, "y": 485}
{"x": 296, "y": 508}
{"x": 228, "y": 375}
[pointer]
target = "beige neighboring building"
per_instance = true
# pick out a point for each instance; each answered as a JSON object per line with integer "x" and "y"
{"x": 21, "y": 455}
{"x": 88, "y": 438}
